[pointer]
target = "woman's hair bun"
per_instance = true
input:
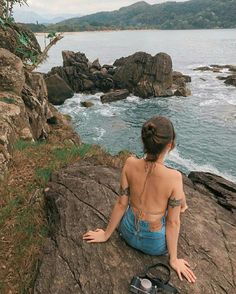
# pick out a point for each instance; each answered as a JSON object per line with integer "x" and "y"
{"x": 149, "y": 130}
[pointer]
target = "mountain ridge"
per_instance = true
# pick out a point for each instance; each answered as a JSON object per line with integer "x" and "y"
{"x": 168, "y": 15}
{"x": 192, "y": 14}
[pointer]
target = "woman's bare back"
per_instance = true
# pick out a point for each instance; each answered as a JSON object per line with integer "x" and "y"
{"x": 152, "y": 198}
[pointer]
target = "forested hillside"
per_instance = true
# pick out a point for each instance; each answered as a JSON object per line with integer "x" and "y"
{"x": 194, "y": 14}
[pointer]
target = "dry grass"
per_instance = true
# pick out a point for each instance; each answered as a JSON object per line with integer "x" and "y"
{"x": 23, "y": 225}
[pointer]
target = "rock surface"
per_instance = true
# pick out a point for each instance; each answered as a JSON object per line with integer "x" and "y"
{"x": 80, "y": 197}
{"x": 58, "y": 90}
{"x": 228, "y": 80}
{"x": 223, "y": 190}
{"x": 115, "y": 96}
{"x": 231, "y": 80}
{"x": 86, "y": 103}
{"x": 25, "y": 112}
{"x": 11, "y": 72}
{"x": 9, "y": 39}
{"x": 142, "y": 74}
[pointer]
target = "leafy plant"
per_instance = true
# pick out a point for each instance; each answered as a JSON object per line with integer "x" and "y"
{"x": 8, "y": 100}
{"x": 51, "y": 35}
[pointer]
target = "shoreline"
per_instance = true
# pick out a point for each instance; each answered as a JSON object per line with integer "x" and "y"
{"x": 133, "y": 30}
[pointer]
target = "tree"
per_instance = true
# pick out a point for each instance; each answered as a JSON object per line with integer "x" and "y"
{"x": 6, "y": 7}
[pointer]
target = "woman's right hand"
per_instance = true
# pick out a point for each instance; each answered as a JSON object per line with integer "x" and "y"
{"x": 182, "y": 267}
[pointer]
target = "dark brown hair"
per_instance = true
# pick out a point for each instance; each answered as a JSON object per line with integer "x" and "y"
{"x": 157, "y": 132}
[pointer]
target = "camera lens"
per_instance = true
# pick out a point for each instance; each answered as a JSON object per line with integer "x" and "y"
{"x": 146, "y": 284}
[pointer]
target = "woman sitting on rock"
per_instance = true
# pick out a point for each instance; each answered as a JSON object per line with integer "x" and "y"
{"x": 151, "y": 199}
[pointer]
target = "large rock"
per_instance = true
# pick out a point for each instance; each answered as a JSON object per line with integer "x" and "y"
{"x": 145, "y": 75}
{"x": 115, "y": 96}
{"x": 80, "y": 198}
{"x": 11, "y": 72}
{"x": 142, "y": 74}
{"x": 34, "y": 95}
{"x": 223, "y": 190}
{"x": 81, "y": 75}
{"x": 14, "y": 124}
{"x": 78, "y": 59}
{"x": 9, "y": 39}
{"x": 231, "y": 80}
{"x": 24, "y": 107}
{"x": 58, "y": 90}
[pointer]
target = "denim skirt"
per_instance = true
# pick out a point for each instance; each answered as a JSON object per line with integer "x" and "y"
{"x": 140, "y": 237}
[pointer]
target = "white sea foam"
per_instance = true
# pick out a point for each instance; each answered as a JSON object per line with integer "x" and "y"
{"x": 100, "y": 133}
{"x": 133, "y": 99}
{"x": 192, "y": 166}
{"x": 209, "y": 102}
{"x": 107, "y": 110}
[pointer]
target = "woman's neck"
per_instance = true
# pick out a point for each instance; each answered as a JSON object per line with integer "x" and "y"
{"x": 159, "y": 160}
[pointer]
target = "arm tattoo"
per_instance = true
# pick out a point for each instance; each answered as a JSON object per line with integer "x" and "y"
{"x": 125, "y": 191}
{"x": 174, "y": 202}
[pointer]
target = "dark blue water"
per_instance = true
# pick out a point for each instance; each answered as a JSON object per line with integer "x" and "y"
{"x": 205, "y": 122}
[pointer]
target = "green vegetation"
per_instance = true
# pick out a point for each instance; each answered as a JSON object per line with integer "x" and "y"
{"x": 8, "y": 100}
{"x": 6, "y": 7}
{"x": 23, "y": 224}
{"x": 194, "y": 14}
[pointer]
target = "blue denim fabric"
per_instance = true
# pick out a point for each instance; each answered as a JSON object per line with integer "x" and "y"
{"x": 152, "y": 243}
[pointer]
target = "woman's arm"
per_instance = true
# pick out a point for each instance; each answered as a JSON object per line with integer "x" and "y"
{"x": 172, "y": 230}
{"x": 119, "y": 209}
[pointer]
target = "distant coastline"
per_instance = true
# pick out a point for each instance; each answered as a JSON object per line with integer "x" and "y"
{"x": 189, "y": 15}
{"x": 124, "y": 30}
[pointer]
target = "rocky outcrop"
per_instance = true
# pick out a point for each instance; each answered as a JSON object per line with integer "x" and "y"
{"x": 10, "y": 39}
{"x": 141, "y": 74}
{"x": 223, "y": 190}
{"x": 58, "y": 90}
{"x": 231, "y": 80}
{"x": 86, "y": 103}
{"x": 150, "y": 76}
{"x": 80, "y": 197}
{"x": 24, "y": 109}
{"x": 82, "y": 75}
{"x": 115, "y": 96}
{"x": 228, "y": 80}
{"x": 11, "y": 72}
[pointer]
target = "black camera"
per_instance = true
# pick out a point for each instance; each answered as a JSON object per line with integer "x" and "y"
{"x": 142, "y": 286}
{"x": 155, "y": 278}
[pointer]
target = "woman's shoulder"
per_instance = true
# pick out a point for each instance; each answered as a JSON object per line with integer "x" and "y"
{"x": 174, "y": 173}
{"x": 132, "y": 159}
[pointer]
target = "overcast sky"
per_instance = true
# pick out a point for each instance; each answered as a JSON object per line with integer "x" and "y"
{"x": 81, "y": 6}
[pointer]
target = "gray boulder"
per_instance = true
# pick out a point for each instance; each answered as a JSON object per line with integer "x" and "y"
{"x": 58, "y": 89}
{"x": 11, "y": 72}
{"x": 145, "y": 75}
{"x": 231, "y": 80}
{"x": 115, "y": 96}
{"x": 80, "y": 197}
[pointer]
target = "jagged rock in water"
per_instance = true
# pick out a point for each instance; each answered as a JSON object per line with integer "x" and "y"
{"x": 140, "y": 73}
{"x": 96, "y": 64}
{"x": 86, "y": 103}
{"x": 71, "y": 58}
{"x": 223, "y": 190}
{"x": 58, "y": 90}
{"x": 80, "y": 197}
{"x": 231, "y": 80}
{"x": 115, "y": 96}
{"x": 145, "y": 75}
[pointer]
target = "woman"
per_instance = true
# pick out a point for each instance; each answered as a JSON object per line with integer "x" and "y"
{"x": 151, "y": 199}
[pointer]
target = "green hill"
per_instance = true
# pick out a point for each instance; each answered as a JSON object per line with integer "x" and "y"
{"x": 194, "y": 14}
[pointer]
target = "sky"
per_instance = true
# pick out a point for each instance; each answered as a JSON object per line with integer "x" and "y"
{"x": 81, "y": 6}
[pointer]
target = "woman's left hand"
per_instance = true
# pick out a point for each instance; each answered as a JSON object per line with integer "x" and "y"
{"x": 97, "y": 236}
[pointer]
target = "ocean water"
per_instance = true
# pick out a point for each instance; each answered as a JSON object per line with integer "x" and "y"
{"x": 205, "y": 122}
